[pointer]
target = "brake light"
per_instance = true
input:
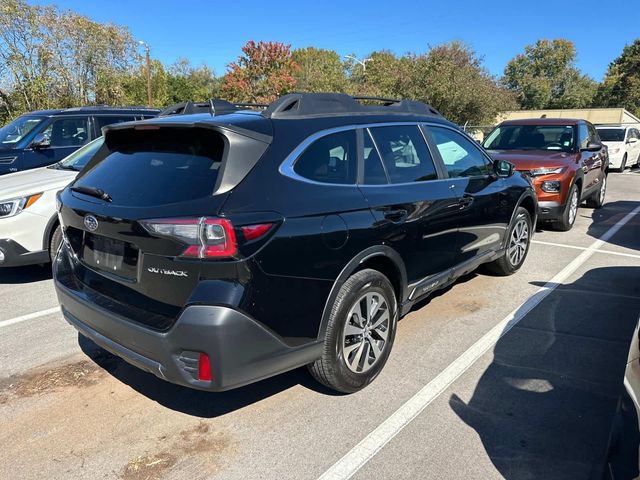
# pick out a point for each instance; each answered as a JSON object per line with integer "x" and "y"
{"x": 205, "y": 237}
{"x": 251, "y": 232}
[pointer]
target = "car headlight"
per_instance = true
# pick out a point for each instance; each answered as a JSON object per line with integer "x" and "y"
{"x": 9, "y": 208}
{"x": 546, "y": 171}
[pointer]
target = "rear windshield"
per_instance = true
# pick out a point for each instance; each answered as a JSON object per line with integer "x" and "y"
{"x": 157, "y": 167}
{"x": 611, "y": 134}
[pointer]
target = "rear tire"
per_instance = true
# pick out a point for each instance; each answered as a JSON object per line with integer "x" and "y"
{"x": 54, "y": 244}
{"x": 519, "y": 239}
{"x": 568, "y": 218}
{"x": 360, "y": 333}
{"x": 597, "y": 199}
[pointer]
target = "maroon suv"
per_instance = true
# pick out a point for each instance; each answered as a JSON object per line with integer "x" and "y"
{"x": 565, "y": 159}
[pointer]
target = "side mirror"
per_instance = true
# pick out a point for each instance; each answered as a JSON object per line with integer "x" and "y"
{"x": 632, "y": 140}
{"x": 592, "y": 147}
{"x": 502, "y": 168}
{"x": 41, "y": 141}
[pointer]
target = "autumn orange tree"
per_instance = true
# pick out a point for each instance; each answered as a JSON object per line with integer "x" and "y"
{"x": 263, "y": 72}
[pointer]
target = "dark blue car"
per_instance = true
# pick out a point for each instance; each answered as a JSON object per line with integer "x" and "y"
{"x": 45, "y": 137}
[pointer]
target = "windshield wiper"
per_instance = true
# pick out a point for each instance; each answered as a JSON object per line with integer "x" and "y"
{"x": 93, "y": 192}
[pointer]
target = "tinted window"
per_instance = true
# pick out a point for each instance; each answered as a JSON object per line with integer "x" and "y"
{"x": 154, "y": 167}
{"x": 531, "y": 137}
{"x": 460, "y": 156}
{"x": 611, "y": 134}
{"x": 404, "y": 153}
{"x": 68, "y": 132}
{"x": 374, "y": 173}
{"x": 593, "y": 135}
{"x": 330, "y": 159}
{"x": 109, "y": 120}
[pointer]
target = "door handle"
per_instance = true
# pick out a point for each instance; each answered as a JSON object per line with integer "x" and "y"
{"x": 396, "y": 215}
{"x": 465, "y": 202}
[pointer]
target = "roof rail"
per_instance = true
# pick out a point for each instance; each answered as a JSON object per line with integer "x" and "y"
{"x": 296, "y": 105}
{"x": 105, "y": 107}
{"x": 214, "y": 106}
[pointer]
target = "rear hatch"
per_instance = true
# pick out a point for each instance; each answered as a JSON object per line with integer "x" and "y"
{"x": 130, "y": 215}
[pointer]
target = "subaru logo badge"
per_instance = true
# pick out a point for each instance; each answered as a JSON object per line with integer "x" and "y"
{"x": 91, "y": 223}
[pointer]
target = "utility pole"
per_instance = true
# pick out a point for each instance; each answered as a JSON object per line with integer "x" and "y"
{"x": 146, "y": 47}
{"x": 363, "y": 62}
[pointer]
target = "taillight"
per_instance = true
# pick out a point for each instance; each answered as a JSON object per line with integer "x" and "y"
{"x": 205, "y": 237}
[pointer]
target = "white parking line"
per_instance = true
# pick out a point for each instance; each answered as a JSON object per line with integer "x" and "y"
{"x": 575, "y": 247}
{"x": 364, "y": 451}
{"x": 30, "y": 316}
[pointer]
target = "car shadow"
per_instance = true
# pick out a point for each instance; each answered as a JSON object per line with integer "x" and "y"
{"x": 28, "y": 274}
{"x": 544, "y": 407}
{"x": 196, "y": 402}
{"x": 612, "y": 212}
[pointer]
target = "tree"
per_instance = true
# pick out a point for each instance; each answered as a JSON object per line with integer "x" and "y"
{"x": 621, "y": 84}
{"x": 264, "y": 71}
{"x": 319, "y": 70}
{"x": 450, "y": 77}
{"x": 186, "y": 82}
{"x": 545, "y": 76}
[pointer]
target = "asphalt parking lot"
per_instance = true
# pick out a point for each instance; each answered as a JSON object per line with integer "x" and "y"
{"x": 495, "y": 377}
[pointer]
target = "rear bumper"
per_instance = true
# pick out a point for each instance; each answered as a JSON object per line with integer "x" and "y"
{"x": 241, "y": 349}
{"x": 12, "y": 254}
{"x": 550, "y": 211}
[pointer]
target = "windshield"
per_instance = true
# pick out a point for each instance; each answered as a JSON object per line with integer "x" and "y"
{"x": 532, "y": 137}
{"x": 611, "y": 134}
{"x": 15, "y": 131}
{"x": 78, "y": 159}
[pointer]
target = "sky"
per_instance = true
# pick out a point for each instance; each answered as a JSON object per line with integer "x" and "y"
{"x": 213, "y": 31}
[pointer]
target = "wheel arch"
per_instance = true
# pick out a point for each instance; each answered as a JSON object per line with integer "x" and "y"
{"x": 382, "y": 258}
{"x": 48, "y": 232}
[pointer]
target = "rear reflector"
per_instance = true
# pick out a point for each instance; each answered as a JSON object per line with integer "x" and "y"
{"x": 251, "y": 232}
{"x": 204, "y": 368}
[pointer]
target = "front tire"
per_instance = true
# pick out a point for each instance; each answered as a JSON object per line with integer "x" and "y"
{"x": 517, "y": 247}
{"x": 623, "y": 165}
{"x": 568, "y": 218}
{"x": 54, "y": 244}
{"x": 360, "y": 333}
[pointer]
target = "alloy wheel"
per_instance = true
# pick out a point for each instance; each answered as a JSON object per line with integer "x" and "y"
{"x": 518, "y": 242}
{"x": 364, "y": 337}
{"x": 573, "y": 207}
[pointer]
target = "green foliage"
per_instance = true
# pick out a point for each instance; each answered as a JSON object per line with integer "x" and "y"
{"x": 621, "y": 84}
{"x": 319, "y": 70}
{"x": 545, "y": 76}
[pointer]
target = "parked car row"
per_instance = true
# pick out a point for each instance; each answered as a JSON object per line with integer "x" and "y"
{"x": 215, "y": 245}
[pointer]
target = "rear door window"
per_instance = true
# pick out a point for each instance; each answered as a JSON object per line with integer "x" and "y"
{"x": 104, "y": 120}
{"x": 330, "y": 159}
{"x": 158, "y": 167}
{"x": 404, "y": 152}
{"x": 374, "y": 172}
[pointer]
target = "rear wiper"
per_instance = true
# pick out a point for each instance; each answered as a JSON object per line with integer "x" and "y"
{"x": 93, "y": 191}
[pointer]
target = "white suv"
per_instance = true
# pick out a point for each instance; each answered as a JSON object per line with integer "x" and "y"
{"x": 29, "y": 229}
{"x": 623, "y": 143}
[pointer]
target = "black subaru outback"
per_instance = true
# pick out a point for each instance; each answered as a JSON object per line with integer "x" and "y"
{"x": 221, "y": 248}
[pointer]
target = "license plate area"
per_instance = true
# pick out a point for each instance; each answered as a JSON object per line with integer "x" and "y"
{"x": 111, "y": 256}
